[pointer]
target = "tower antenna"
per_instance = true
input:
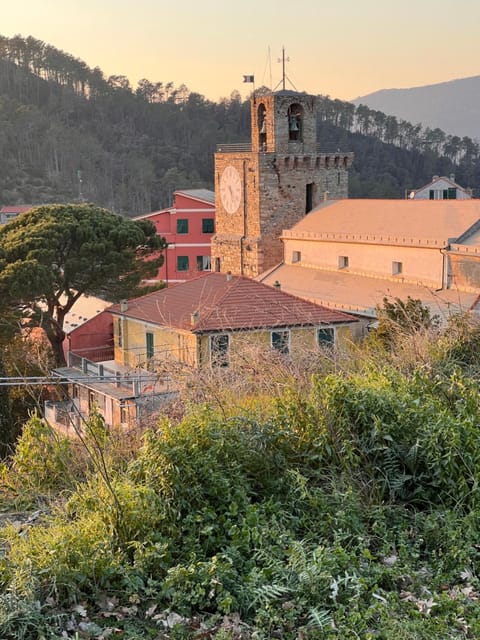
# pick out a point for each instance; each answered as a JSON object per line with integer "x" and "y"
{"x": 283, "y": 59}
{"x": 270, "y": 66}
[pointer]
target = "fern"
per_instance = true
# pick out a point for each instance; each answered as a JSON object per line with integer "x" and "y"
{"x": 319, "y": 618}
{"x": 268, "y": 592}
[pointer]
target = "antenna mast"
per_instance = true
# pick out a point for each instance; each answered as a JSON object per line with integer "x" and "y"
{"x": 283, "y": 60}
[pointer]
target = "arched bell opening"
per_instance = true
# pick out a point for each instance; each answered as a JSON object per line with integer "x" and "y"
{"x": 295, "y": 122}
{"x": 262, "y": 126}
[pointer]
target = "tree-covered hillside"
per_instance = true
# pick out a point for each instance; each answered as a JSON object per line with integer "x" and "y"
{"x": 67, "y": 133}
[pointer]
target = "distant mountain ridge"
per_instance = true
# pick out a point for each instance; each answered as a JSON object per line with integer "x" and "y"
{"x": 453, "y": 106}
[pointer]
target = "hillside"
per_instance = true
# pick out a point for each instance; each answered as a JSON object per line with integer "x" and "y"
{"x": 453, "y": 106}
{"x": 70, "y": 134}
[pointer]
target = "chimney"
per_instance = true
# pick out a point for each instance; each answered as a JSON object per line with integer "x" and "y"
{"x": 194, "y": 318}
{"x": 452, "y": 177}
{"x": 123, "y": 305}
{"x": 277, "y": 285}
{"x": 229, "y": 276}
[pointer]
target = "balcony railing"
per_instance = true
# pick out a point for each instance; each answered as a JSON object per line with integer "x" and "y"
{"x": 131, "y": 380}
{"x": 246, "y": 147}
{"x": 234, "y": 147}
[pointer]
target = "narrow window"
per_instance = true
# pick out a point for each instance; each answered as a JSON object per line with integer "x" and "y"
{"x": 309, "y": 197}
{"x": 296, "y": 256}
{"x": 182, "y": 263}
{"x": 182, "y": 226}
{"x": 149, "y": 344}
{"x": 281, "y": 341}
{"x": 217, "y": 265}
{"x": 208, "y": 225}
{"x": 397, "y": 268}
{"x": 262, "y": 127}
{"x": 219, "y": 345}
{"x": 123, "y": 414}
{"x": 342, "y": 262}
{"x": 120, "y": 332}
{"x": 326, "y": 337}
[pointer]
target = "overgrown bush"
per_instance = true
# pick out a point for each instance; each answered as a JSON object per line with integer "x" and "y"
{"x": 346, "y": 507}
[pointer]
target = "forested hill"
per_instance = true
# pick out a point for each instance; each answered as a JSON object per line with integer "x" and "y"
{"x": 67, "y": 133}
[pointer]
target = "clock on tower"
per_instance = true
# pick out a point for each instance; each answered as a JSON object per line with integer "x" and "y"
{"x": 269, "y": 184}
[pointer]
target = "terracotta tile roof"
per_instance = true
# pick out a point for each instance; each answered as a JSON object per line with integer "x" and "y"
{"x": 389, "y": 221}
{"x": 16, "y": 208}
{"x": 213, "y": 302}
{"x": 354, "y": 293}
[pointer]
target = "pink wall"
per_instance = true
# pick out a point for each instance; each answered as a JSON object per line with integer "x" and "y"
{"x": 184, "y": 249}
{"x": 93, "y": 339}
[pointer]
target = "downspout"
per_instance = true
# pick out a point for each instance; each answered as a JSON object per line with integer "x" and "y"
{"x": 443, "y": 251}
{"x": 242, "y": 239}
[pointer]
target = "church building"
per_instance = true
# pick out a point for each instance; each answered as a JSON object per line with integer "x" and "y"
{"x": 271, "y": 183}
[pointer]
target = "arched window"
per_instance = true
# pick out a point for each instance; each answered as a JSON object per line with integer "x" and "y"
{"x": 295, "y": 122}
{"x": 262, "y": 126}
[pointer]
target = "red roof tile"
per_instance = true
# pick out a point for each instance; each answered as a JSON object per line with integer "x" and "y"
{"x": 215, "y": 302}
{"x": 16, "y": 208}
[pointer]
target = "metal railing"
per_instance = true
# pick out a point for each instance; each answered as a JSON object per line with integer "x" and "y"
{"x": 102, "y": 373}
{"x": 246, "y": 147}
{"x": 234, "y": 147}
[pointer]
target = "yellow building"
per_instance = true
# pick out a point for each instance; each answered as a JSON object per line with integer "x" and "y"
{"x": 203, "y": 322}
{"x": 207, "y": 320}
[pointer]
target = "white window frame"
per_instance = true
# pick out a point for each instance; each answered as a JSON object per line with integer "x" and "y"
{"x": 326, "y": 344}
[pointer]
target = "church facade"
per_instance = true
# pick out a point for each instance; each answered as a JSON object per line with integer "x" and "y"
{"x": 269, "y": 184}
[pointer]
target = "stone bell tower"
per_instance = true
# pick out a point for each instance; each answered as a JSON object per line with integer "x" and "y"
{"x": 269, "y": 184}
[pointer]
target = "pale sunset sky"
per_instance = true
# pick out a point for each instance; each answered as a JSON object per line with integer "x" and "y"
{"x": 341, "y": 48}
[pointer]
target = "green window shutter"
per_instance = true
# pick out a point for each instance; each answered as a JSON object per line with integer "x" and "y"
{"x": 182, "y": 226}
{"x": 182, "y": 263}
{"x": 208, "y": 225}
{"x": 452, "y": 193}
{"x": 149, "y": 344}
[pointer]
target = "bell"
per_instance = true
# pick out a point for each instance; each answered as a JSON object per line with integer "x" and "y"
{"x": 293, "y": 123}
{"x": 264, "y": 128}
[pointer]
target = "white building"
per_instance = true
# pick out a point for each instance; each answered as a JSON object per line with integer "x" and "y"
{"x": 441, "y": 188}
{"x": 350, "y": 254}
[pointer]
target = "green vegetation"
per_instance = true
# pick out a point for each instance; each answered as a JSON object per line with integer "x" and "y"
{"x": 70, "y": 134}
{"x": 53, "y": 254}
{"x": 345, "y": 506}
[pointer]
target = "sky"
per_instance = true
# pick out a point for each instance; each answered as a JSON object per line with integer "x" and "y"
{"x": 340, "y": 48}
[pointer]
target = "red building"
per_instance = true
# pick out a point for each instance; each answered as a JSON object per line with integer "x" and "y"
{"x": 187, "y": 226}
{"x": 8, "y": 213}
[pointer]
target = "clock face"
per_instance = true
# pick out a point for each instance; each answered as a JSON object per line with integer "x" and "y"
{"x": 230, "y": 189}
